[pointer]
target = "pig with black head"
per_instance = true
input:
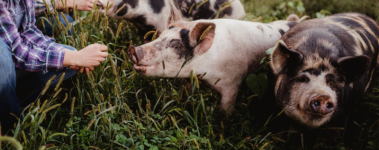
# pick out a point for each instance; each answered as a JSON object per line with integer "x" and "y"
{"x": 229, "y": 50}
{"x": 324, "y": 66}
{"x": 149, "y": 15}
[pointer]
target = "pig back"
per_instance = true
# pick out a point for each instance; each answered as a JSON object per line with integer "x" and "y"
{"x": 242, "y": 44}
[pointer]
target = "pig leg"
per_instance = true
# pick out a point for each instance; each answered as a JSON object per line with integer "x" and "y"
{"x": 229, "y": 95}
{"x": 228, "y": 88}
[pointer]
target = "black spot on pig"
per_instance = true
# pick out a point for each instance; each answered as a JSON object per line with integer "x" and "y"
{"x": 184, "y": 34}
{"x": 123, "y": 11}
{"x": 348, "y": 22}
{"x": 343, "y": 35}
{"x": 281, "y": 32}
{"x": 227, "y": 11}
{"x": 323, "y": 67}
{"x": 157, "y": 5}
{"x": 182, "y": 47}
{"x": 184, "y": 7}
{"x": 260, "y": 28}
{"x": 312, "y": 71}
{"x": 142, "y": 26}
{"x": 204, "y": 12}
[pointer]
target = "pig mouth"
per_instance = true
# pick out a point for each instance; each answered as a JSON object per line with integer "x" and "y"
{"x": 143, "y": 68}
{"x": 315, "y": 115}
{"x": 99, "y": 3}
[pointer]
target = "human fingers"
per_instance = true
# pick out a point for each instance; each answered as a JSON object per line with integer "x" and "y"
{"x": 104, "y": 54}
{"x": 91, "y": 68}
{"x": 87, "y": 71}
{"x": 91, "y": 1}
{"x": 101, "y": 47}
{"x": 81, "y": 70}
{"x": 75, "y": 68}
{"x": 101, "y": 59}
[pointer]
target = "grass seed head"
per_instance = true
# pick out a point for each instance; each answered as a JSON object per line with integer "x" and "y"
{"x": 42, "y": 107}
{"x": 90, "y": 124}
{"x": 47, "y": 85}
{"x": 56, "y": 93}
{"x": 73, "y": 105}
{"x": 51, "y": 108}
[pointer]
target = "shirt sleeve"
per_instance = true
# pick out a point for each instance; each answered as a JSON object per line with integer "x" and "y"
{"x": 31, "y": 50}
{"x": 40, "y": 7}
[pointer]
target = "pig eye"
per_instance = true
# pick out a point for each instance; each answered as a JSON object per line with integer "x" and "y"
{"x": 331, "y": 84}
{"x": 303, "y": 79}
{"x": 175, "y": 44}
{"x": 330, "y": 80}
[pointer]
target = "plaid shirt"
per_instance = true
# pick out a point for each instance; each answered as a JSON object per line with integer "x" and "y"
{"x": 31, "y": 50}
{"x": 40, "y": 7}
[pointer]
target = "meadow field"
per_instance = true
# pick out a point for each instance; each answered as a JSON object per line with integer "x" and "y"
{"x": 116, "y": 108}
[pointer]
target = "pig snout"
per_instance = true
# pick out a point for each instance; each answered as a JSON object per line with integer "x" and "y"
{"x": 136, "y": 54}
{"x": 322, "y": 105}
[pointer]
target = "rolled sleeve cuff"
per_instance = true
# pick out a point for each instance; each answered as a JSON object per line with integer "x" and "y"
{"x": 54, "y": 60}
{"x": 55, "y": 47}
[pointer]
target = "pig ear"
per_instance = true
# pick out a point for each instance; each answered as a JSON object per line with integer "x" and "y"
{"x": 202, "y": 36}
{"x": 175, "y": 14}
{"x": 353, "y": 67}
{"x": 283, "y": 56}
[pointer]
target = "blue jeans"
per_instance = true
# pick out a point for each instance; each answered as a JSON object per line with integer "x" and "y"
{"x": 19, "y": 88}
{"x": 49, "y": 29}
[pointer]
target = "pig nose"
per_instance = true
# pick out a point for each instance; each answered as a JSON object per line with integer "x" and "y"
{"x": 322, "y": 104}
{"x": 136, "y": 54}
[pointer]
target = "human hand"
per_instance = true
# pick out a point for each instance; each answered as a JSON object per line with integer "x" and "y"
{"x": 82, "y": 69}
{"x": 88, "y": 57}
{"x": 83, "y": 5}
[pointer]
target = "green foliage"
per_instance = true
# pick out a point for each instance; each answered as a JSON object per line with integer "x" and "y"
{"x": 271, "y": 10}
{"x": 257, "y": 84}
{"x": 116, "y": 108}
{"x": 368, "y": 7}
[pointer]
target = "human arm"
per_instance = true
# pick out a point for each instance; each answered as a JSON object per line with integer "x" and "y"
{"x": 34, "y": 52}
{"x": 40, "y": 7}
{"x": 83, "y": 5}
{"x": 30, "y": 56}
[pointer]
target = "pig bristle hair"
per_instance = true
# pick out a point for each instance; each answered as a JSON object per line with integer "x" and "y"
{"x": 293, "y": 17}
{"x": 303, "y": 18}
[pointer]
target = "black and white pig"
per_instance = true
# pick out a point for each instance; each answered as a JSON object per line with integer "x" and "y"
{"x": 149, "y": 15}
{"x": 324, "y": 66}
{"x": 229, "y": 51}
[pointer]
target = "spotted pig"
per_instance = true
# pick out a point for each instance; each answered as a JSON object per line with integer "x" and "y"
{"x": 324, "y": 66}
{"x": 150, "y": 15}
{"x": 230, "y": 50}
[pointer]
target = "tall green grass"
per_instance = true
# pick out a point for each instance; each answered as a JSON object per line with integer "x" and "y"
{"x": 116, "y": 108}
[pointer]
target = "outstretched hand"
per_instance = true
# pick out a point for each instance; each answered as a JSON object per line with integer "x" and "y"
{"x": 83, "y": 5}
{"x": 82, "y": 69}
{"x": 85, "y": 59}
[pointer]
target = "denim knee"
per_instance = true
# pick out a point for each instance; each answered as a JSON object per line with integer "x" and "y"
{"x": 8, "y": 99}
{"x": 49, "y": 29}
{"x": 7, "y": 67}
